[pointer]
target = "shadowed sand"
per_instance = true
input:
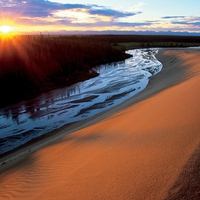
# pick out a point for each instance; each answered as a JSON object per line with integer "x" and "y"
{"x": 138, "y": 150}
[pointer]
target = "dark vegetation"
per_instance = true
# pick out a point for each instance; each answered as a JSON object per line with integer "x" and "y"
{"x": 30, "y": 65}
{"x": 146, "y": 41}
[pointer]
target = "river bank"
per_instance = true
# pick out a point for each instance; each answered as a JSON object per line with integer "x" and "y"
{"x": 32, "y": 119}
{"x": 136, "y": 150}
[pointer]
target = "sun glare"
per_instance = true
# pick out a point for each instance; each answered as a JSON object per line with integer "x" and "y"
{"x": 5, "y": 29}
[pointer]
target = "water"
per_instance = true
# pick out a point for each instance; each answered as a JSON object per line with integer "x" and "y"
{"x": 117, "y": 82}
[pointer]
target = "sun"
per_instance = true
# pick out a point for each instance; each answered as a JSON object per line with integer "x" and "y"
{"x": 5, "y": 29}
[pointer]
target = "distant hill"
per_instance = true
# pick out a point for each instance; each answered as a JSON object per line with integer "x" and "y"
{"x": 114, "y": 32}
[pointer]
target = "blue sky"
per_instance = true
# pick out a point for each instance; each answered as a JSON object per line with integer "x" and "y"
{"x": 98, "y": 15}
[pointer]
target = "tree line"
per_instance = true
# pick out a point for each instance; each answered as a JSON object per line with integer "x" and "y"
{"x": 151, "y": 38}
{"x": 31, "y": 64}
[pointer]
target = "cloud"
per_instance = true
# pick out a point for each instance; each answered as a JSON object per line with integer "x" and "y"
{"x": 47, "y": 13}
{"x": 185, "y": 20}
{"x": 196, "y": 23}
{"x": 45, "y": 8}
{"x": 133, "y": 24}
{"x": 37, "y": 8}
{"x": 173, "y": 17}
{"x": 110, "y": 12}
{"x": 41, "y": 13}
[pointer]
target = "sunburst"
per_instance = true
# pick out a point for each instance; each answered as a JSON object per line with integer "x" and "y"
{"x": 5, "y": 29}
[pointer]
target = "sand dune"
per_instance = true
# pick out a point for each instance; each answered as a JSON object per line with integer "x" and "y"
{"x": 136, "y": 150}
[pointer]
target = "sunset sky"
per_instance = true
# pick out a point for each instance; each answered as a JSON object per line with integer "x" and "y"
{"x": 99, "y": 15}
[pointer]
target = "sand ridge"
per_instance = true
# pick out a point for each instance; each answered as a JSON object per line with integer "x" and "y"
{"x": 136, "y": 150}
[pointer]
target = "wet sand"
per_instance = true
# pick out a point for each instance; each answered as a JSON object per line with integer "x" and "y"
{"x": 138, "y": 150}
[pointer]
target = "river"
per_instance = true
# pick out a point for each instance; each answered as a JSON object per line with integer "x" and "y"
{"x": 27, "y": 120}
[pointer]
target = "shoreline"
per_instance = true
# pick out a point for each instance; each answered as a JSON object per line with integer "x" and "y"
{"x": 75, "y": 103}
{"x": 72, "y": 127}
{"x": 69, "y": 128}
{"x": 139, "y": 145}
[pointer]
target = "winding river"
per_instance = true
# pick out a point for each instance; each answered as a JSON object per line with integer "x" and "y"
{"x": 22, "y": 122}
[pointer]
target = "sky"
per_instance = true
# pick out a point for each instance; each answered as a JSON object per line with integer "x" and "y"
{"x": 100, "y": 15}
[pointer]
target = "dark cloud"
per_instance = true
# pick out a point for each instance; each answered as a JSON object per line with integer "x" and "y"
{"x": 42, "y": 12}
{"x": 37, "y": 8}
{"x": 68, "y": 22}
{"x": 111, "y": 13}
{"x": 44, "y": 8}
{"x": 184, "y": 20}
{"x": 127, "y": 24}
{"x": 196, "y": 23}
{"x": 45, "y": 4}
{"x": 173, "y": 17}
{"x": 187, "y": 23}
{"x": 43, "y": 22}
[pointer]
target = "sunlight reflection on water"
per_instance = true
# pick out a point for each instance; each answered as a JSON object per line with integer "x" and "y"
{"x": 117, "y": 82}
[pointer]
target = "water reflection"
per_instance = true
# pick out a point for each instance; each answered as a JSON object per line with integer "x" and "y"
{"x": 117, "y": 82}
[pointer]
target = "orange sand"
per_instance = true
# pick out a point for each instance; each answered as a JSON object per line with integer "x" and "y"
{"x": 134, "y": 151}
